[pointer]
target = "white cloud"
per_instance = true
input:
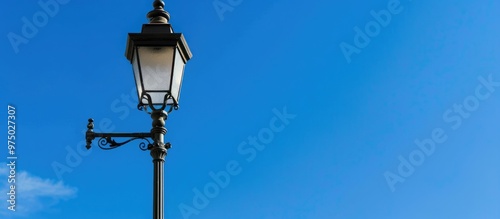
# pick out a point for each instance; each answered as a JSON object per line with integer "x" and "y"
{"x": 33, "y": 194}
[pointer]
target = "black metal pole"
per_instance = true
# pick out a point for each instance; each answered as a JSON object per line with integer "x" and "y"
{"x": 158, "y": 153}
{"x": 159, "y": 149}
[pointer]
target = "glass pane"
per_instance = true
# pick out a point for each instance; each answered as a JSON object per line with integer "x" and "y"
{"x": 137, "y": 78}
{"x": 156, "y": 67}
{"x": 178, "y": 73}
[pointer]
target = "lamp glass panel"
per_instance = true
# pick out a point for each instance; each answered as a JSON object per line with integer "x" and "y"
{"x": 156, "y": 70}
{"x": 177, "y": 75}
{"x": 156, "y": 67}
{"x": 137, "y": 76}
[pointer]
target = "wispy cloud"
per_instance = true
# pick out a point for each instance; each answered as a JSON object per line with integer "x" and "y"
{"x": 33, "y": 193}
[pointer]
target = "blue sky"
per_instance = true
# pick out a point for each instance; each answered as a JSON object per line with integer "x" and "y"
{"x": 379, "y": 109}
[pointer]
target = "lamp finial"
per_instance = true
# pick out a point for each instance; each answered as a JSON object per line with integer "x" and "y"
{"x": 158, "y": 15}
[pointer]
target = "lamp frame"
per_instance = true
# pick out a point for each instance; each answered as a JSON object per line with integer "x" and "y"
{"x": 157, "y": 35}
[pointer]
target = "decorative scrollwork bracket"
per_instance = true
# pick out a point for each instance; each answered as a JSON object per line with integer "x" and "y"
{"x": 106, "y": 141}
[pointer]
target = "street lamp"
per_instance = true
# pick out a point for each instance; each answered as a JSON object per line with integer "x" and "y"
{"x": 158, "y": 56}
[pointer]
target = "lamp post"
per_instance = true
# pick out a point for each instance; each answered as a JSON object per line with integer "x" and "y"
{"x": 158, "y": 56}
